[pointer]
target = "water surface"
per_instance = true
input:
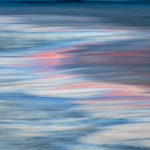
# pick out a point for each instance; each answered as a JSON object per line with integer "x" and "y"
{"x": 73, "y": 83}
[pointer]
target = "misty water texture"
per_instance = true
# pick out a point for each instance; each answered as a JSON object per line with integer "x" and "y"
{"x": 71, "y": 82}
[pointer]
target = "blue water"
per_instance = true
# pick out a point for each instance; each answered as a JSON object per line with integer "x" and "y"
{"x": 68, "y": 83}
{"x": 51, "y": 1}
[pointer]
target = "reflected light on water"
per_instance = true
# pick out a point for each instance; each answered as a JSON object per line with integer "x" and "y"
{"x": 65, "y": 87}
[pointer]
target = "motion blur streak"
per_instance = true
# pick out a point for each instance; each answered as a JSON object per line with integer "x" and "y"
{"x": 73, "y": 83}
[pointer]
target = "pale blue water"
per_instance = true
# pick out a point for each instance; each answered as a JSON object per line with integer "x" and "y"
{"x": 69, "y": 83}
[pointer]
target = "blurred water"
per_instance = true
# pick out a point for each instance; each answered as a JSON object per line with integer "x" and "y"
{"x": 71, "y": 83}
